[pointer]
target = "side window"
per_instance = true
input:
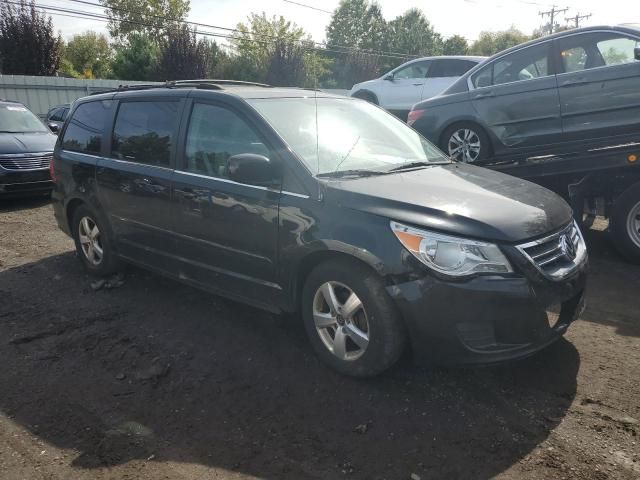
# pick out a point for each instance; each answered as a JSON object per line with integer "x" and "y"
{"x": 484, "y": 77}
{"x": 415, "y": 70}
{"x": 617, "y": 51}
{"x": 85, "y": 129}
{"x": 592, "y": 50}
{"x": 65, "y": 112}
{"x": 145, "y": 131}
{"x": 56, "y": 114}
{"x": 526, "y": 64}
{"x": 450, "y": 68}
{"x": 215, "y": 134}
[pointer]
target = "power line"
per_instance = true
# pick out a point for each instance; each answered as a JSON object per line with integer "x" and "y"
{"x": 309, "y": 6}
{"x": 576, "y": 19}
{"x": 552, "y": 15}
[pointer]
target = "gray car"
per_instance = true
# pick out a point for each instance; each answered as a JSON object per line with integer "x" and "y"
{"x": 553, "y": 95}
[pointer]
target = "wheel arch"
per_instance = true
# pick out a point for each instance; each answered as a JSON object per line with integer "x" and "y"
{"x": 306, "y": 265}
{"x": 365, "y": 92}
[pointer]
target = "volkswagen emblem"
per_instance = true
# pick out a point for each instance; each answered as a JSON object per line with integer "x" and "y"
{"x": 567, "y": 247}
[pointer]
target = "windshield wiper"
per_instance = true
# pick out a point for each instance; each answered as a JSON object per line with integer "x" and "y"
{"x": 409, "y": 165}
{"x": 351, "y": 173}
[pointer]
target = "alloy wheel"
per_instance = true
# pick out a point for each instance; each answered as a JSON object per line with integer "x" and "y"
{"x": 464, "y": 145}
{"x": 90, "y": 241}
{"x": 633, "y": 224}
{"x": 341, "y": 320}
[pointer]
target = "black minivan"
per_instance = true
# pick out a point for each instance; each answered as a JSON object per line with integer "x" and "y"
{"x": 295, "y": 200}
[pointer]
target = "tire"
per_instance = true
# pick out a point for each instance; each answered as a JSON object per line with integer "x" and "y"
{"x": 377, "y": 319}
{"x": 465, "y": 136}
{"x": 368, "y": 96}
{"x": 624, "y": 224}
{"x": 108, "y": 262}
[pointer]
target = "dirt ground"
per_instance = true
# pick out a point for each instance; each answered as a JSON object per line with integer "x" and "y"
{"x": 157, "y": 380}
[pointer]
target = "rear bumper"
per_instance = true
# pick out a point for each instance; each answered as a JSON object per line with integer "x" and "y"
{"x": 24, "y": 183}
{"x": 487, "y": 319}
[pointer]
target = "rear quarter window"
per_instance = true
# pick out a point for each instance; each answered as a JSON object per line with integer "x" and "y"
{"x": 86, "y": 127}
{"x": 144, "y": 132}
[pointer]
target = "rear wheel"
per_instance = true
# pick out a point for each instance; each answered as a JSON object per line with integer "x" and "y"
{"x": 93, "y": 242}
{"x": 625, "y": 223}
{"x": 466, "y": 142}
{"x": 350, "y": 319}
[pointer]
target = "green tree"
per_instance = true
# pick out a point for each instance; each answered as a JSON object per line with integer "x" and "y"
{"x": 489, "y": 43}
{"x": 152, "y": 17}
{"x": 28, "y": 45}
{"x": 89, "y": 54}
{"x": 182, "y": 56}
{"x": 358, "y": 24}
{"x": 136, "y": 58}
{"x": 412, "y": 34}
{"x": 455, "y": 45}
{"x": 266, "y": 49}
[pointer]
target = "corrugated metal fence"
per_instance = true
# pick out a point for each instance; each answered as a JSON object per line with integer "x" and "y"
{"x": 42, "y": 93}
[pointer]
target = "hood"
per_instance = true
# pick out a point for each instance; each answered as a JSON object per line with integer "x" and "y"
{"x": 23, "y": 143}
{"x": 458, "y": 199}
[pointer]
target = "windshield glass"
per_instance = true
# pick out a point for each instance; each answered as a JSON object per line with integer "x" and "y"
{"x": 16, "y": 118}
{"x": 334, "y": 134}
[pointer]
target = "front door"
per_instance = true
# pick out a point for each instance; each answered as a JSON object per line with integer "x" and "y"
{"x": 405, "y": 88}
{"x": 517, "y": 98}
{"x": 600, "y": 86}
{"x": 135, "y": 178}
{"x": 227, "y": 231}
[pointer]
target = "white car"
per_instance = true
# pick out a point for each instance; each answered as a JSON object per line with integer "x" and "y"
{"x": 411, "y": 82}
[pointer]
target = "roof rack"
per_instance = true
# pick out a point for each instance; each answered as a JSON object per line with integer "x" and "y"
{"x": 205, "y": 84}
{"x": 213, "y": 81}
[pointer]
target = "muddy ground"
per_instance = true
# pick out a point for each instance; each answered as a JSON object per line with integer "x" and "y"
{"x": 157, "y": 380}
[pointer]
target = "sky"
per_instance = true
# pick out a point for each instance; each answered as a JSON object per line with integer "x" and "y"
{"x": 465, "y": 17}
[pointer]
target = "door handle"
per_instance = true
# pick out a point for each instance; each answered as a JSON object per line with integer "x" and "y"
{"x": 568, "y": 83}
{"x": 485, "y": 95}
{"x": 418, "y": 84}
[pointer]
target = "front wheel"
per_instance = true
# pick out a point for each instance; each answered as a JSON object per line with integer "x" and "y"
{"x": 625, "y": 223}
{"x": 350, "y": 319}
{"x": 466, "y": 142}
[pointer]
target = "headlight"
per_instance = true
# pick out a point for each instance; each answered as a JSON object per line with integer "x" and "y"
{"x": 451, "y": 255}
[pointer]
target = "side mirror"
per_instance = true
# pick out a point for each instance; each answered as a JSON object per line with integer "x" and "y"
{"x": 251, "y": 168}
{"x": 636, "y": 53}
{"x": 54, "y": 128}
{"x": 389, "y": 77}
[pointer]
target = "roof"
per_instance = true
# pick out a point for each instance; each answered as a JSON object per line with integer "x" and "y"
{"x": 245, "y": 90}
{"x": 629, "y": 28}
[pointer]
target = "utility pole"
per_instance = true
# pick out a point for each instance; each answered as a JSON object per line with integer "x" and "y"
{"x": 552, "y": 16}
{"x": 576, "y": 19}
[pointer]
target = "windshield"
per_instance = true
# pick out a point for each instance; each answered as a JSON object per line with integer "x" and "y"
{"x": 16, "y": 118}
{"x": 334, "y": 134}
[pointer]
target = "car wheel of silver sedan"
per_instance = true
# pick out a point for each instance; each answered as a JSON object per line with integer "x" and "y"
{"x": 464, "y": 145}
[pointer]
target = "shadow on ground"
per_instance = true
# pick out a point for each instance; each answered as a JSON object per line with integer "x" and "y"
{"x": 613, "y": 281}
{"x": 156, "y": 368}
{"x": 13, "y": 204}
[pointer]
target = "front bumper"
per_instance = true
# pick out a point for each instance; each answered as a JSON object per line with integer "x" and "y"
{"x": 487, "y": 319}
{"x": 24, "y": 182}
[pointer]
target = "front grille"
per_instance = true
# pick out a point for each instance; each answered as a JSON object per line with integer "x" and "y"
{"x": 557, "y": 255}
{"x": 25, "y": 163}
